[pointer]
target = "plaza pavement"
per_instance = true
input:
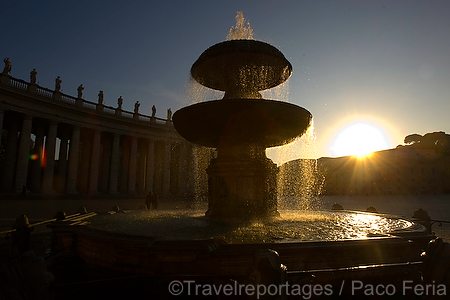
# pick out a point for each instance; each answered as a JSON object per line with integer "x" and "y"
{"x": 39, "y": 207}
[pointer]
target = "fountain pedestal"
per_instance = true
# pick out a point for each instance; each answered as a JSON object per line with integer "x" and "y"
{"x": 242, "y": 188}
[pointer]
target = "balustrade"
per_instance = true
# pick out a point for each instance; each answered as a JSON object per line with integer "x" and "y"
{"x": 109, "y": 110}
{"x": 144, "y": 118}
{"x": 127, "y": 114}
{"x": 68, "y": 99}
{"x": 41, "y": 91}
{"x": 89, "y": 105}
{"x": 18, "y": 83}
{"x": 48, "y": 93}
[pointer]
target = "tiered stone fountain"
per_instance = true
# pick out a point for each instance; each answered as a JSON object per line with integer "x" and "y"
{"x": 242, "y": 186}
{"x": 242, "y": 180}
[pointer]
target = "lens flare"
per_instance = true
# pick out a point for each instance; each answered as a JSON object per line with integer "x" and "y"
{"x": 34, "y": 156}
{"x": 359, "y": 138}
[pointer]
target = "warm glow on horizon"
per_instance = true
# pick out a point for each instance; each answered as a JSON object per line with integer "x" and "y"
{"x": 359, "y": 138}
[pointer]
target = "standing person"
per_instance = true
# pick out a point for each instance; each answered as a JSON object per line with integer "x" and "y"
{"x": 24, "y": 190}
{"x": 154, "y": 200}
{"x": 148, "y": 200}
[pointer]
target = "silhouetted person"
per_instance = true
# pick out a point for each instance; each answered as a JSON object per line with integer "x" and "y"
{"x": 148, "y": 200}
{"x": 169, "y": 114}
{"x": 155, "y": 201}
{"x": 151, "y": 200}
{"x": 153, "y": 111}
{"x": 136, "y": 107}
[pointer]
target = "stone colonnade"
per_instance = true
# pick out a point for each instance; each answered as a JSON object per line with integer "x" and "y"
{"x": 89, "y": 160}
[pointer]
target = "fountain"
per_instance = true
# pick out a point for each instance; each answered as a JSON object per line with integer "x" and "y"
{"x": 242, "y": 217}
{"x": 242, "y": 180}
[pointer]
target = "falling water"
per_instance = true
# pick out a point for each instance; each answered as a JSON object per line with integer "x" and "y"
{"x": 202, "y": 157}
{"x": 299, "y": 181}
{"x": 196, "y": 93}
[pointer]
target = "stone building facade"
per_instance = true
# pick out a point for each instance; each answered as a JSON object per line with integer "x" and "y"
{"x": 401, "y": 171}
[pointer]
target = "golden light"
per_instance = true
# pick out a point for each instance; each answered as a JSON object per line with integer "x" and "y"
{"x": 359, "y": 138}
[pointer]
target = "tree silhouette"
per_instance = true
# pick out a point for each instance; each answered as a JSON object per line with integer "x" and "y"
{"x": 439, "y": 141}
{"x": 413, "y": 139}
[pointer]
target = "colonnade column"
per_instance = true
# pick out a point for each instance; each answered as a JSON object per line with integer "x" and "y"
{"x": 166, "y": 168}
{"x": 114, "y": 170}
{"x": 132, "y": 167}
{"x": 140, "y": 184}
{"x": 62, "y": 164}
{"x": 190, "y": 188}
{"x": 10, "y": 157}
{"x": 23, "y": 154}
{"x": 105, "y": 163}
{"x": 2, "y": 112}
{"x": 36, "y": 168}
{"x": 183, "y": 167}
{"x": 86, "y": 151}
{"x": 74, "y": 150}
{"x": 150, "y": 166}
{"x": 95, "y": 163}
{"x": 50, "y": 143}
{"x": 124, "y": 165}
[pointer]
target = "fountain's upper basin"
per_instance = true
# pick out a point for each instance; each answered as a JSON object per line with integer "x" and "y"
{"x": 293, "y": 226}
{"x": 241, "y": 64}
{"x": 265, "y": 123}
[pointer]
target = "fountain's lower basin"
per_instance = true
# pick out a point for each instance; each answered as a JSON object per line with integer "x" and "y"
{"x": 293, "y": 226}
{"x": 219, "y": 123}
{"x": 186, "y": 243}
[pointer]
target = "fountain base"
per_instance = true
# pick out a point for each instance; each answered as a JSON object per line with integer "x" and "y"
{"x": 244, "y": 188}
{"x": 150, "y": 255}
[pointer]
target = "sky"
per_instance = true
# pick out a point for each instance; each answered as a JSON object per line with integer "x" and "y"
{"x": 385, "y": 63}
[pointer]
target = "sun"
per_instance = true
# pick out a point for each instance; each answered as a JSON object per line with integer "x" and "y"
{"x": 359, "y": 138}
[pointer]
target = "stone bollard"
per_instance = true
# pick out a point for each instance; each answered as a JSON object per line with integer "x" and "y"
{"x": 437, "y": 263}
{"x": 82, "y": 210}
{"x": 26, "y": 277}
{"x": 337, "y": 206}
{"x": 423, "y": 218}
{"x": 371, "y": 209}
{"x": 20, "y": 239}
{"x": 143, "y": 207}
{"x": 60, "y": 216}
{"x": 266, "y": 271}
